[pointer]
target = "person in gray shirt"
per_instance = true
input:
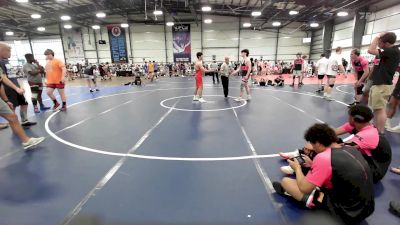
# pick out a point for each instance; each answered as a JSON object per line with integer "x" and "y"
{"x": 226, "y": 70}
{"x": 35, "y": 73}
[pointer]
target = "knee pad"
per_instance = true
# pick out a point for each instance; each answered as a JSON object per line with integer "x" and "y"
{"x": 360, "y": 90}
{"x": 331, "y": 85}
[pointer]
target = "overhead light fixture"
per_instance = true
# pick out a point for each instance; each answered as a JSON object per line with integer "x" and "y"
{"x": 157, "y": 12}
{"x": 170, "y": 24}
{"x": 276, "y": 24}
{"x": 247, "y": 25}
{"x": 342, "y": 13}
{"x": 286, "y": 37}
{"x": 256, "y": 13}
{"x": 124, "y": 25}
{"x": 95, "y": 27}
{"x": 100, "y": 15}
{"x": 314, "y": 24}
{"x": 65, "y": 17}
{"x": 36, "y": 16}
{"x": 17, "y": 42}
{"x": 9, "y": 33}
{"x": 206, "y": 8}
{"x": 67, "y": 26}
{"x": 61, "y": 0}
{"x": 22, "y": 1}
{"x": 293, "y": 12}
{"x": 41, "y": 29}
{"x": 208, "y": 21}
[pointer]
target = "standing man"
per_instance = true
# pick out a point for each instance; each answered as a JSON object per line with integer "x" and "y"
{"x": 198, "y": 93}
{"x": 394, "y": 103}
{"x": 35, "y": 73}
{"x": 360, "y": 66}
{"x": 9, "y": 115}
{"x": 297, "y": 69}
{"x": 245, "y": 71}
{"x": 382, "y": 77}
{"x": 226, "y": 70}
{"x": 322, "y": 67}
{"x": 334, "y": 65}
{"x": 8, "y": 94}
{"x": 214, "y": 69}
{"x": 55, "y": 75}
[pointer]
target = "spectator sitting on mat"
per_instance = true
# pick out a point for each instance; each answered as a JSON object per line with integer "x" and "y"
{"x": 279, "y": 81}
{"x": 339, "y": 181}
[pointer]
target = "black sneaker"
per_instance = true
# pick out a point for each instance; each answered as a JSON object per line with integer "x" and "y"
{"x": 278, "y": 188}
{"x": 301, "y": 84}
{"x": 318, "y": 91}
{"x": 394, "y": 207}
{"x": 26, "y": 123}
{"x": 91, "y": 91}
{"x": 97, "y": 89}
{"x": 353, "y": 104}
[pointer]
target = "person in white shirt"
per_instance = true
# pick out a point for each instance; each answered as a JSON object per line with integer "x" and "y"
{"x": 334, "y": 65}
{"x": 322, "y": 67}
{"x": 214, "y": 69}
{"x": 225, "y": 71}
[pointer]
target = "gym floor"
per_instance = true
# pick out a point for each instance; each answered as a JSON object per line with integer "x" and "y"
{"x": 149, "y": 155}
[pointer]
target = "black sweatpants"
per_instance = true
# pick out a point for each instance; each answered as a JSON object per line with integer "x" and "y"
{"x": 215, "y": 74}
{"x": 225, "y": 85}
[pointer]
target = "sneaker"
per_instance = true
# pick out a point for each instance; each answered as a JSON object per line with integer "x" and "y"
{"x": 195, "y": 98}
{"x": 318, "y": 91}
{"x": 353, "y": 104}
{"x": 329, "y": 98}
{"x": 36, "y": 109}
{"x": 287, "y": 170}
{"x": 55, "y": 107}
{"x": 289, "y": 155}
{"x": 248, "y": 97}
{"x": 201, "y": 100}
{"x": 63, "y": 109}
{"x": 292, "y": 85}
{"x": 26, "y": 123}
{"x": 301, "y": 84}
{"x": 279, "y": 189}
{"x": 3, "y": 126}
{"x": 394, "y": 207}
{"x": 395, "y": 129}
{"x": 44, "y": 108}
{"x": 97, "y": 89}
{"x": 91, "y": 91}
{"x": 239, "y": 99}
{"x": 310, "y": 201}
{"x": 32, "y": 142}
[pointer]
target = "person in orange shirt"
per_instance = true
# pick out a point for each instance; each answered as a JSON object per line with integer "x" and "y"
{"x": 55, "y": 75}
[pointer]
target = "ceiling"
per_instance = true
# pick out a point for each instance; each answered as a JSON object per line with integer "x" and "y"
{"x": 16, "y": 16}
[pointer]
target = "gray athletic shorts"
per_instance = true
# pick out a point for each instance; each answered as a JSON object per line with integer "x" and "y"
{"x": 4, "y": 108}
{"x": 367, "y": 86}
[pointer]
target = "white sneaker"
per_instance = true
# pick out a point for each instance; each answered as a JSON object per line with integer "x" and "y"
{"x": 3, "y": 126}
{"x": 195, "y": 98}
{"x": 395, "y": 129}
{"x": 248, "y": 97}
{"x": 32, "y": 142}
{"x": 289, "y": 155}
{"x": 239, "y": 99}
{"x": 329, "y": 98}
{"x": 201, "y": 100}
{"x": 287, "y": 170}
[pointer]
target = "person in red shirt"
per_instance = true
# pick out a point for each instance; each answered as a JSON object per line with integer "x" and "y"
{"x": 360, "y": 67}
{"x": 339, "y": 181}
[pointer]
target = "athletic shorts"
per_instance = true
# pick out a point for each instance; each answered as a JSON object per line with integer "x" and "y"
{"x": 367, "y": 86}
{"x": 396, "y": 91}
{"x": 40, "y": 85}
{"x": 4, "y": 108}
{"x": 297, "y": 73}
{"x": 56, "y": 86}
{"x": 320, "y": 77}
{"x": 15, "y": 98}
{"x": 379, "y": 96}
{"x": 331, "y": 76}
{"x": 199, "y": 81}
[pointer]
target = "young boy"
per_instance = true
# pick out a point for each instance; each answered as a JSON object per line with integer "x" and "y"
{"x": 297, "y": 69}
{"x": 198, "y": 94}
{"x": 245, "y": 71}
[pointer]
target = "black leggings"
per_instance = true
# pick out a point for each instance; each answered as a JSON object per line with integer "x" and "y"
{"x": 225, "y": 85}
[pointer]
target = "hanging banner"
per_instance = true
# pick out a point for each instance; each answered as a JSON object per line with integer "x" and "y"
{"x": 73, "y": 46}
{"x": 182, "y": 45}
{"x": 119, "y": 53}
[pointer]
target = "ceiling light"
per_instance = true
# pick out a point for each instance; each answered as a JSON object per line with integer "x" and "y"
{"x": 100, "y": 15}
{"x": 247, "y": 25}
{"x": 61, "y": 0}
{"x": 96, "y": 27}
{"x": 170, "y": 24}
{"x": 276, "y": 24}
{"x": 286, "y": 37}
{"x": 342, "y": 13}
{"x": 208, "y": 21}
{"x": 256, "y": 13}
{"x": 124, "y": 25}
{"x": 67, "y": 26}
{"x": 293, "y": 12}
{"x": 206, "y": 8}
{"x": 17, "y": 42}
{"x": 9, "y": 33}
{"x": 41, "y": 29}
{"x": 36, "y": 16}
{"x": 314, "y": 24}
{"x": 21, "y": 1}
{"x": 157, "y": 12}
{"x": 65, "y": 17}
